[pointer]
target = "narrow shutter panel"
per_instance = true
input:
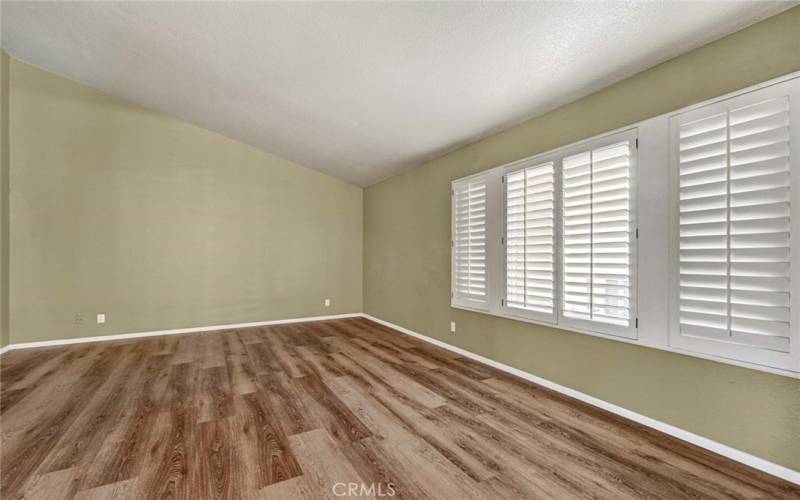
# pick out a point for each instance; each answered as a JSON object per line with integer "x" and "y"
{"x": 469, "y": 241}
{"x": 734, "y": 248}
{"x": 530, "y": 255}
{"x": 596, "y": 235}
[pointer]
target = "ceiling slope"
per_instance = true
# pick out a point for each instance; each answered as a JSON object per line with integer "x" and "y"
{"x": 360, "y": 91}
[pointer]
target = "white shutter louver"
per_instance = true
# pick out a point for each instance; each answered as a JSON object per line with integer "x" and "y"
{"x": 596, "y": 235}
{"x": 469, "y": 242}
{"x": 734, "y": 226}
{"x": 529, "y": 240}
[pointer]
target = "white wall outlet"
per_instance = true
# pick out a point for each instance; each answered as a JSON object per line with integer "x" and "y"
{"x": 79, "y": 319}
{"x": 452, "y": 327}
{"x": 327, "y": 302}
{"x": 101, "y": 318}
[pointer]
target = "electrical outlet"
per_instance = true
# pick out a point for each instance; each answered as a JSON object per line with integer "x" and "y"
{"x": 101, "y": 318}
{"x": 79, "y": 319}
{"x": 452, "y": 327}
{"x": 327, "y": 302}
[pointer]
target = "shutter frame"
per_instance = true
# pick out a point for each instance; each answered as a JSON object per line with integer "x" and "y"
{"x": 535, "y": 208}
{"x": 744, "y": 224}
{"x": 566, "y": 205}
{"x": 470, "y": 273}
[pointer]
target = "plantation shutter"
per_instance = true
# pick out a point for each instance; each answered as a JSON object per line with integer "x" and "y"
{"x": 596, "y": 236}
{"x": 469, "y": 243}
{"x": 734, "y": 225}
{"x": 529, "y": 240}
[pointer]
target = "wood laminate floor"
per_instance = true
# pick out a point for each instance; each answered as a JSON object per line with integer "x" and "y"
{"x": 303, "y": 411}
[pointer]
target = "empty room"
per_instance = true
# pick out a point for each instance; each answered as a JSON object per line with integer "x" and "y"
{"x": 415, "y": 250}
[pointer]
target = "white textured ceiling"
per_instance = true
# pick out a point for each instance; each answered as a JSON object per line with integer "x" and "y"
{"x": 360, "y": 90}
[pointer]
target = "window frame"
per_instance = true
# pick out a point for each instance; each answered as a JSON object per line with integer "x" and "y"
{"x": 740, "y": 352}
{"x": 455, "y": 299}
{"x": 631, "y": 331}
{"x": 516, "y": 312}
{"x": 557, "y": 319}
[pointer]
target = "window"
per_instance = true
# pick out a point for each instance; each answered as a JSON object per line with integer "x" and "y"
{"x": 568, "y": 234}
{"x": 734, "y": 255}
{"x": 596, "y": 238}
{"x": 680, "y": 232}
{"x": 470, "y": 286}
{"x": 530, "y": 241}
{"x": 592, "y": 289}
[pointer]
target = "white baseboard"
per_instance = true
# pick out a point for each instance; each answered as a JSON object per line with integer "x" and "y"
{"x": 719, "y": 448}
{"x": 158, "y": 333}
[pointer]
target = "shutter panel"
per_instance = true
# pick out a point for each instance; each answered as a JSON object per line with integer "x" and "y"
{"x": 530, "y": 255}
{"x": 596, "y": 235}
{"x": 469, "y": 242}
{"x": 734, "y": 234}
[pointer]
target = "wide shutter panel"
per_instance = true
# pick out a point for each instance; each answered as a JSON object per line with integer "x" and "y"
{"x": 530, "y": 254}
{"x": 469, "y": 242}
{"x": 734, "y": 238}
{"x": 596, "y": 235}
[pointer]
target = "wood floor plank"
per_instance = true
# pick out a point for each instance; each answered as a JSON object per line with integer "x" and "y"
{"x": 296, "y": 488}
{"x": 83, "y": 439}
{"x": 16, "y": 366}
{"x": 122, "y": 453}
{"x": 58, "y": 485}
{"x": 213, "y": 355}
{"x": 324, "y": 464}
{"x": 216, "y": 400}
{"x": 379, "y": 420}
{"x": 183, "y": 384}
{"x": 23, "y": 458}
{"x": 398, "y": 402}
{"x": 184, "y": 348}
{"x": 337, "y": 418}
{"x": 170, "y": 455}
{"x": 262, "y": 359}
{"x": 285, "y": 354}
{"x": 317, "y": 362}
{"x": 293, "y": 411}
{"x": 40, "y": 371}
{"x": 334, "y": 344}
{"x": 287, "y": 404}
{"x": 249, "y": 335}
{"x": 219, "y": 466}
{"x": 166, "y": 345}
{"x": 390, "y": 377}
{"x": 377, "y": 470}
{"x": 11, "y": 397}
{"x": 430, "y": 470}
{"x": 241, "y": 375}
{"x": 270, "y": 451}
{"x": 401, "y": 428}
{"x": 544, "y": 465}
{"x": 455, "y": 389}
{"x": 39, "y": 398}
{"x": 301, "y": 334}
{"x": 232, "y": 343}
{"x": 405, "y": 356}
{"x": 121, "y": 490}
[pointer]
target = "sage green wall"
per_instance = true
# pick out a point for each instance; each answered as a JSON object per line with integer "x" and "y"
{"x": 160, "y": 224}
{"x": 407, "y": 259}
{"x": 4, "y": 198}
